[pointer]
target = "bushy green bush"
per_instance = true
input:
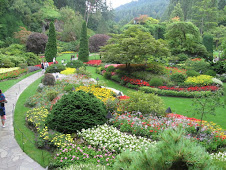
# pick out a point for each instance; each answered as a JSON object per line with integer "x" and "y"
{"x": 52, "y": 94}
{"x": 70, "y": 87}
{"x": 155, "y": 82}
{"x": 145, "y": 103}
{"x": 132, "y": 86}
{"x": 210, "y": 73}
{"x": 178, "y": 78}
{"x": 107, "y": 75}
{"x": 55, "y": 68}
{"x": 198, "y": 66}
{"x": 76, "y": 111}
{"x": 219, "y": 67}
{"x": 75, "y": 64}
{"x": 48, "y": 79}
{"x": 99, "y": 69}
{"x": 174, "y": 151}
{"x": 83, "y": 71}
{"x": 182, "y": 57}
{"x": 110, "y": 68}
{"x": 116, "y": 78}
{"x": 192, "y": 73}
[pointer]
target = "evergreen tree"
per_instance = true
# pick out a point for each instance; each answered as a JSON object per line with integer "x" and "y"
{"x": 83, "y": 53}
{"x": 177, "y": 12}
{"x": 51, "y": 47}
{"x": 208, "y": 42}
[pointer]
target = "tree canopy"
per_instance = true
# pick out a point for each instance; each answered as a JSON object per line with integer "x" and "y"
{"x": 132, "y": 46}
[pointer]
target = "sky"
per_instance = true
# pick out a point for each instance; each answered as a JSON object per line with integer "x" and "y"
{"x": 117, "y": 3}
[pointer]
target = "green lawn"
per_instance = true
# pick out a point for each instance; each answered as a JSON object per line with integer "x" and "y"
{"x": 5, "y": 85}
{"x": 26, "y": 140}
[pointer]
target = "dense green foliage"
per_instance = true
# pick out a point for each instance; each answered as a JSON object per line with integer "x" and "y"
{"x": 83, "y": 54}
{"x": 75, "y": 64}
{"x": 51, "y": 46}
{"x": 174, "y": 151}
{"x": 84, "y": 112}
{"x": 55, "y": 68}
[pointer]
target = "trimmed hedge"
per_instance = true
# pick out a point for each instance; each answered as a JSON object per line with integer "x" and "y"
{"x": 147, "y": 89}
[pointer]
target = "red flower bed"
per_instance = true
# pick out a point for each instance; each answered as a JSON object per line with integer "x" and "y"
{"x": 182, "y": 117}
{"x": 135, "y": 81}
{"x": 50, "y": 63}
{"x": 144, "y": 83}
{"x": 93, "y": 62}
{"x": 123, "y": 97}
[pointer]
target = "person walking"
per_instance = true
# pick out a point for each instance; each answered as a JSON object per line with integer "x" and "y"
{"x": 2, "y": 108}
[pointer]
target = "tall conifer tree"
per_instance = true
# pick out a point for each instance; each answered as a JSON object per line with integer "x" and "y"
{"x": 51, "y": 47}
{"x": 83, "y": 54}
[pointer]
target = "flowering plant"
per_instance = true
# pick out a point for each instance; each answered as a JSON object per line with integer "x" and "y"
{"x": 101, "y": 93}
{"x": 202, "y": 80}
{"x": 111, "y": 138}
{"x": 5, "y": 70}
{"x": 12, "y": 74}
{"x": 93, "y": 62}
{"x": 76, "y": 154}
{"x": 68, "y": 71}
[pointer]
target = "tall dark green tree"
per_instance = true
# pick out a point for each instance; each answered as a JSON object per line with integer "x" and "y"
{"x": 177, "y": 12}
{"x": 51, "y": 47}
{"x": 83, "y": 53}
{"x": 208, "y": 42}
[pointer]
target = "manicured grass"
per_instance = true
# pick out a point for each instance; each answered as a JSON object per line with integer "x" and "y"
{"x": 5, "y": 85}
{"x": 23, "y": 132}
{"x": 66, "y": 57}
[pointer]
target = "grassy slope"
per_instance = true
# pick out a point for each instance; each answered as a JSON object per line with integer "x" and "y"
{"x": 5, "y": 85}
{"x": 29, "y": 136}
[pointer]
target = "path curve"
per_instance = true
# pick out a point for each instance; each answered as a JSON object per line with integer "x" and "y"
{"x": 11, "y": 155}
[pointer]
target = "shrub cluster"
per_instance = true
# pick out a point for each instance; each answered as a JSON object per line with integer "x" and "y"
{"x": 55, "y": 68}
{"x": 202, "y": 80}
{"x": 48, "y": 79}
{"x": 75, "y": 64}
{"x": 75, "y": 111}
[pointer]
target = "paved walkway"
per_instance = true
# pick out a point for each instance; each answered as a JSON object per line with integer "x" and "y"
{"x": 11, "y": 155}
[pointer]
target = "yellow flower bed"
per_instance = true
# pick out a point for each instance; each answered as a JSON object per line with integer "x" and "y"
{"x": 202, "y": 80}
{"x": 67, "y": 52}
{"x": 68, "y": 71}
{"x": 37, "y": 117}
{"x": 5, "y": 70}
{"x": 101, "y": 93}
{"x": 215, "y": 129}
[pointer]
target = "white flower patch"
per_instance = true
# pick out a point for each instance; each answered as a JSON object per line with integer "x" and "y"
{"x": 217, "y": 81}
{"x": 221, "y": 156}
{"x": 111, "y": 138}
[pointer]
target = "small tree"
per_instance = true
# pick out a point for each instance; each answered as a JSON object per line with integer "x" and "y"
{"x": 22, "y": 35}
{"x": 51, "y": 47}
{"x": 207, "y": 105}
{"x": 96, "y": 41}
{"x": 83, "y": 53}
{"x": 36, "y": 43}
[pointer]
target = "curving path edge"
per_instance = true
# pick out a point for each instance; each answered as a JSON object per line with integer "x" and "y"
{"x": 11, "y": 155}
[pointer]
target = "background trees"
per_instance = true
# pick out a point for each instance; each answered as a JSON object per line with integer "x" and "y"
{"x": 96, "y": 41}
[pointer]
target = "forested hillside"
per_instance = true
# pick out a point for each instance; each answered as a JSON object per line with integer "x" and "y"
{"x": 152, "y": 8}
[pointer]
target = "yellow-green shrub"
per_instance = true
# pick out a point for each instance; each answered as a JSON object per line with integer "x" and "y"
{"x": 202, "y": 80}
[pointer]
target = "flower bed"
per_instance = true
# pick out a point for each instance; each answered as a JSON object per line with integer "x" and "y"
{"x": 5, "y": 70}
{"x": 111, "y": 138}
{"x": 211, "y": 136}
{"x": 173, "y": 70}
{"x": 68, "y": 71}
{"x": 93, "y": 62}
{"x": 12, "y": 74}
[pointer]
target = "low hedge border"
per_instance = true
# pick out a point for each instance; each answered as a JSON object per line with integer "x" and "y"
{"x": 173, "y": 93}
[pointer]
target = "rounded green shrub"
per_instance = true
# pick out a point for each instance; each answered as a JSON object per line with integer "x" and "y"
{"x": 110, "y": 68}
{"x": 192, "y": 73}
{"x": 75, "y": 64}
{"x": 48, "y": 79}
{"x": 155, "y": 82}
{"x": 211, "y": 73}
{"x": 76, "y": 111}
{"x": 178, "y": 78}
{"x": 107, "y": 75}
{"x": 55, "y": 68}
{"x": 52, "y": 94}
{"x": 146, "y": 103}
